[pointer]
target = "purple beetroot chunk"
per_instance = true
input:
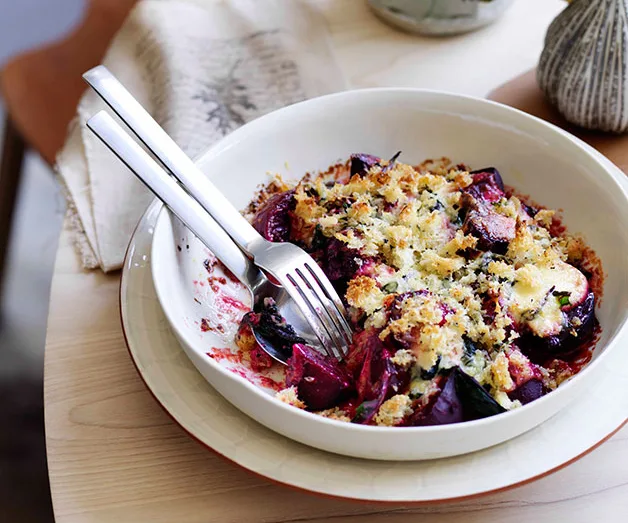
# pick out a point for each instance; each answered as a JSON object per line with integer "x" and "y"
{"x": 377, "y": 378}
{"x": 361, "y": 163}
{"x": 340, "y": 263}
{"x": 476, "y": 402}
{"x": 364, "y": 342}
{"x": 378, "y": 392}
{"x": 487, "y": 184}
{"x": 461, "y": 398}
{"x": 272, "y": 219}
{"x": 391, "y": 163}
{"x": 395, "y": 307}
{"x": 528, "y": 391}
{"x": 319, "y": 380}
{"x": 578, "y": 327}
{"x": 375, "y": 362}
{"x": 494, "y": 231}
{"x": 445, "y": 410}
{"x": 376, "y": 368}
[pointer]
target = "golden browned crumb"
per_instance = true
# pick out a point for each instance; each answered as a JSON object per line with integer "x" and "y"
{"x": 364, "y": 292}
{"x": 403, "y": 358}
{"x": 544, "y": 217}
{"x": 245, "y": 339}
{"x": 335, "y": 413}
{"x": 500, "y": 376}
{"x": 521, "y": 364}
{"x": 394, "y": 410}
{"x": 290, "y": 397}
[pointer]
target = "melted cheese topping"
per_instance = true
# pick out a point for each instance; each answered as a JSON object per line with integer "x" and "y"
{"x": 537, "y": 294}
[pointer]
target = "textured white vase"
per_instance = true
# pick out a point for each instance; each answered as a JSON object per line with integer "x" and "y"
{"x": 583, "y": 68}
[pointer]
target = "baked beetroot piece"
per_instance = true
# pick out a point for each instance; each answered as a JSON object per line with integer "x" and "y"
{"x": 361, "y": 163}
{"x": 493, "y": 230}
{"x": 578, "y": 327}
{"x": 487, "y": 184}
{"x": 364, "y": 343}
{"x": 376, "y": 377}
{"x": 340, "y": 263}
{"x": 461, "y": 398}
{"x": 399, "y": 380}
{"x": 446, "y": 409}
{"x": 530, "y": 211}
{"x": 378, "y": 392}
{"x": 382, "y": 382}
{"x": 395, "y": 306}
{"x": 272, "y": 219}
{"x": 321, "y": 383}
{"x": 376, "y": 368}
{"x": 375, "y": 362}
{"x": 529, "y": 391}
{"x": 476, "y": 402}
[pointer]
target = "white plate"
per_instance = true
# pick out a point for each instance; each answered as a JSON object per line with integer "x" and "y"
{"x": 207, "y": 416}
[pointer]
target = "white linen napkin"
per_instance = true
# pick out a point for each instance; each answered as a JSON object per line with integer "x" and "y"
{"x": 202, "y": 68}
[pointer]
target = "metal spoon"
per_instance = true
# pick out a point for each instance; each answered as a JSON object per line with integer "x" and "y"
{"x": 192, "y": 214}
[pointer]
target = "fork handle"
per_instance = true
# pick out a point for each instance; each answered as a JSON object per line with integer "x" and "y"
{"x": 172, "y": 157}
{"x": 173, "y": 195}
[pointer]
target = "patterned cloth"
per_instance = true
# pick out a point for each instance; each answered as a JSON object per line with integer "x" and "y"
{"x": 202, "y": 68}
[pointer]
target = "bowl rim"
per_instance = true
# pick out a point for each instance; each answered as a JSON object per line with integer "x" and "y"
{"x": 240, "y": 134}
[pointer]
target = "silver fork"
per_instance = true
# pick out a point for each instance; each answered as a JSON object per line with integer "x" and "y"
{"x": 292, "y": 267}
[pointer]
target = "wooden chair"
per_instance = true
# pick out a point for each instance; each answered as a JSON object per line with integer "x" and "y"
{"x": 41, "y": 90}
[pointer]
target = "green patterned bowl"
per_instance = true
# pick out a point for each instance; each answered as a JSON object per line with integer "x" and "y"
{"x": 439, "y": 17}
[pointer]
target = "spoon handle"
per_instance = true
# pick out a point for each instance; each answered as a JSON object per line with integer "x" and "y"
{"x": 184, "y": 206}
{"x": 158, "y": 142}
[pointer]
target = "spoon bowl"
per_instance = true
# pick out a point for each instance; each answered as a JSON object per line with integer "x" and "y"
{"x": 289, "y": 311}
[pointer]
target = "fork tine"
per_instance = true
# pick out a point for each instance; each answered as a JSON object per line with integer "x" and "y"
{"x": 326, "y": 313}
{"x": 319, "y": 310}
{"x": 331, "y": 294}
{"x": 305, "y": 304}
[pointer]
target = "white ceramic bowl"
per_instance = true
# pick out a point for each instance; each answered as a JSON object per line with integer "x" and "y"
{"x": 536, "y": 158}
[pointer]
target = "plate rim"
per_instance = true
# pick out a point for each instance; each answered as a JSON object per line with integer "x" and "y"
{"x": 155, "y": 206}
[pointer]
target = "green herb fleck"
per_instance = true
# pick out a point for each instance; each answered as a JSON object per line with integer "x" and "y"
{"x": 390, "y": 287}
{"x": 469, "y": 350}
{"x": 563, "y": 297}
{"x": 318, "y": 240}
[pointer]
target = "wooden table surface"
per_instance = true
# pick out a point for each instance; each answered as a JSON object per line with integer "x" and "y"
{"x": 115, "y": 455}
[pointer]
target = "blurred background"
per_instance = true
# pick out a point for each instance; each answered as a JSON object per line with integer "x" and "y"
{"x": 35, "y": 227}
